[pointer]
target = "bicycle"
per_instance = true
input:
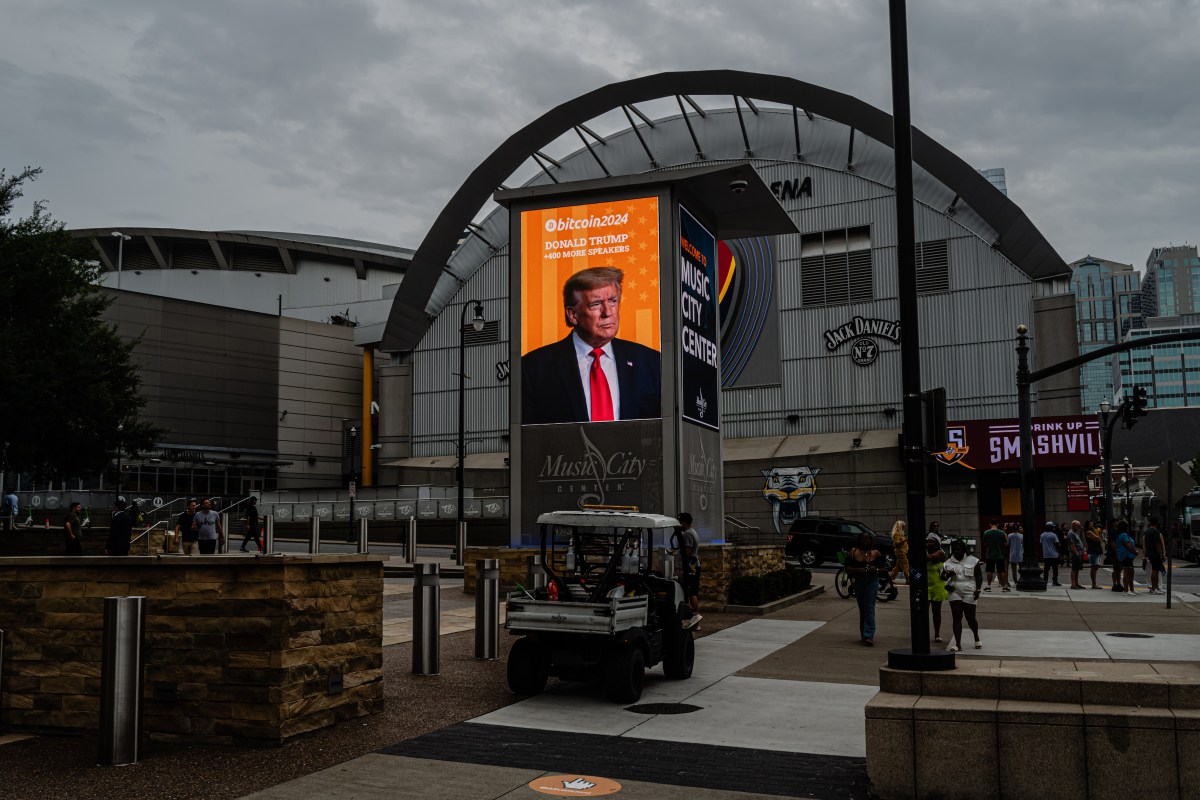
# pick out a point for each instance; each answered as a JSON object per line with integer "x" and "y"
{"x": 843, "y": 584}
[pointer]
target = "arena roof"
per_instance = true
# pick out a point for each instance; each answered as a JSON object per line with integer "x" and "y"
{"x": 252, "y": 251}
{"x": 815, "y": 126}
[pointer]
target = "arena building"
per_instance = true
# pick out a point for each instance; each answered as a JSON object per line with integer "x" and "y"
{"x": 811, "y": 369}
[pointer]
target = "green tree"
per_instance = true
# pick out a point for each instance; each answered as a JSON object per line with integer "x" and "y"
{"x": 67, "y": 380}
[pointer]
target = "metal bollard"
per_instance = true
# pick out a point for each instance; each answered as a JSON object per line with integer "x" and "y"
{"x": 121, "y": 681}
{"x": 487, "y": 609}
{"x": 668, "y": 563}
{"x": 460, "y": 543}
{"x": 362, "y": 535}
{"x": 427, "y": 603}
{"x": 268, "y": 534}
{"x": 223, "y": 547}
{"x": 410, "y": 542}
{"x": 314, "y": 535}
{"x": 535, "y": 576}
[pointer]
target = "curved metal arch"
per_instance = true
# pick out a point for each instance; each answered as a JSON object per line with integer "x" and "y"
{"x": 1018, "y": 240}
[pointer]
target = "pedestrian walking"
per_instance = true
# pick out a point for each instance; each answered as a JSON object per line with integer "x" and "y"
{"x": 1155, "y": 549}
{"x": 9, "y": 506}
{"x": 1016, "y": 550}
{"x": 184, "y": 529}
{"x": 964, "y": 579}
{"x": 1075, "y": 552}
{"x": 1094, "y": 542}
{"x": 686, "y": 550}
{"x": 900, "y": 548}
{"x": 995, "y": 543}
{"x": 207, "y": 525}
{"x": 73, "y": 531}
{"x": 864, "y": 565}
{"x": 1126, "y": 554}
{"x": 1114, "y": 531}
{"x": 1049, "y": 541}
{"x": 935, "y": 556}
{"x": 250, "y": 535}
{"x": 119, "y": 531}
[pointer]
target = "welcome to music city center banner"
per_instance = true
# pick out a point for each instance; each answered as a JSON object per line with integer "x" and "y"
{"x": 996, "y": 443}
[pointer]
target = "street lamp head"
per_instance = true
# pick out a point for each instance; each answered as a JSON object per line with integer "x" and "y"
{"x": 1105, "y": 406}
{"x": 1022, "y": 329}
{"x": 123, "y": 236}
{"x": 1128, "y": 464}
{"x": 477, "y": 322}
{"x": 353, "y": 432}
{"x": 120, "y": 426}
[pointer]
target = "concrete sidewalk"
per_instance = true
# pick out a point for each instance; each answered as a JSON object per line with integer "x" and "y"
{"x": 774, "y": 708}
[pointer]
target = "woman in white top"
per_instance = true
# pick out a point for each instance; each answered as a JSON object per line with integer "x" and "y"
{"x": 964, "y": 580}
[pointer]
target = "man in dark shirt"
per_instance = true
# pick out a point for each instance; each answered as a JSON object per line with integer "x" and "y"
{"x": 73, "y": 532}
{"x": 1154, "y": 546}
{"x": 183, "y": 528}
{"x": 995, "y": 546}
{"x": 119, "y": 531}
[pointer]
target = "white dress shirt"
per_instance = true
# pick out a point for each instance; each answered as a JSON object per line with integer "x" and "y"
{"x": 583, "y": 355}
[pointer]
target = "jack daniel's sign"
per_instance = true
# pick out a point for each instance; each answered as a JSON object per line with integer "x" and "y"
{"x": 858, "y": 331}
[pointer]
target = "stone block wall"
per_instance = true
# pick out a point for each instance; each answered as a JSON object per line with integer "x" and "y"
{"x": 237, "y": 650}
{"x": 1092, "y": 733}
{"x": 719, "y": 564}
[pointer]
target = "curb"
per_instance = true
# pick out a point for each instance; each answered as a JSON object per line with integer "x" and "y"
{"x": 776, "y": 605}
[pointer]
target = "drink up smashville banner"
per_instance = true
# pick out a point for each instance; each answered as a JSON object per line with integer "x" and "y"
{"x": 558, "y": 242}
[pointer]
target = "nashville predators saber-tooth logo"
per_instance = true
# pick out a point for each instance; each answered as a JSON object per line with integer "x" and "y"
{"x": 956, "y": 446}
{"x": 788, "y": 490}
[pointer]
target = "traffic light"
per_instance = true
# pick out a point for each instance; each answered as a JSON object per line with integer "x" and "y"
{"x": 1134, "y": 406}
{"x": 1140, "y": 401}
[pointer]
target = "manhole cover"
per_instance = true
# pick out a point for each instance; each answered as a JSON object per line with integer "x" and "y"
{"x": 1130, "y": 635}
{"x": 663, "y": 708}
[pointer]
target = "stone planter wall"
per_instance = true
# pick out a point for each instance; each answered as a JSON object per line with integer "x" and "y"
{"x": 238, "y": 650}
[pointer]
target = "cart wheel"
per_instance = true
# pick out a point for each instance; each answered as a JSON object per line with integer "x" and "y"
{"x": 680, "y": 656}
{"x": 526, "y": 670}
{"x": 624, "y": 674}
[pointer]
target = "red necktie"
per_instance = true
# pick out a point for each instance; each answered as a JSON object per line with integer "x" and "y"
{"x": 602, "y": 409}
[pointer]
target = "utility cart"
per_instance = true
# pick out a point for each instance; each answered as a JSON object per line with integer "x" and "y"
{"x": 607, "y": 612}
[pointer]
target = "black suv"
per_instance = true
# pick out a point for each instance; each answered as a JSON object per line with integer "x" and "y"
{"x": 813, "y": 540}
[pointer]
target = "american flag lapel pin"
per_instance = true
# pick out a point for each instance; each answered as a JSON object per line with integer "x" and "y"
{"x": 629, "y": 363}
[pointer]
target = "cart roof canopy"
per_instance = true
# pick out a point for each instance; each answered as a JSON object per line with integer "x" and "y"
{"x": 607, "y": 519}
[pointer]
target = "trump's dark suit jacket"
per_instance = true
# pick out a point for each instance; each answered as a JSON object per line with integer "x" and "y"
{"x": 551, "y": 389}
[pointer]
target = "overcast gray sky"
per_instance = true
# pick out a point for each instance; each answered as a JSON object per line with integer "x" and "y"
{"x": 359, "y": 119}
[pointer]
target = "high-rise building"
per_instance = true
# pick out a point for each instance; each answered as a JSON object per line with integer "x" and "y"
{"x": 1170, "y": 372}
{"x": 995, "y": 176}
{"x": 1107, "y": 307}
{"x": 1171, "y": 285}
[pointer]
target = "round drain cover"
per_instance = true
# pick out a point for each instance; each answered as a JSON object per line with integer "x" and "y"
{"x": 663, "y": 708}
{"x": 1130, "y": 635}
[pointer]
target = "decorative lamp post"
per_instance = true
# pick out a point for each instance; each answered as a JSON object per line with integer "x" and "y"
{"x": 1106, "y": 458}
{"x": 477, "y": 325}
{"x": 1128, "y": 493}
{"x": 120, "y": 445}
{"x": 122, "y": 238}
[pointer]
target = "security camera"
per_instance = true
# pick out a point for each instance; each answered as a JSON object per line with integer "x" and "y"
{"x": 738, "y": 186}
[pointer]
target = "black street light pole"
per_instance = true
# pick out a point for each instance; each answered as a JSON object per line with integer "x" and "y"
{"x": 353, "y": 478}
{"x": 918, "y": 657}
{"x": 1108, "y": 421}
{"x": 477, "y": 325}
{"x": 1031, "y": 578}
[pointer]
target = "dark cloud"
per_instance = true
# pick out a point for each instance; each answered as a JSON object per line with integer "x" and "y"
{"x": 360, "y": 118}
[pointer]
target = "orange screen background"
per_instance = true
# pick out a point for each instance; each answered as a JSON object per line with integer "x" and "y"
{"x": 542, "y": 278}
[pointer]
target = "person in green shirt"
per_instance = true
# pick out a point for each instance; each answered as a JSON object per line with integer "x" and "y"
{"x": 995, "y": 550}
{"x": 73, "y": 532}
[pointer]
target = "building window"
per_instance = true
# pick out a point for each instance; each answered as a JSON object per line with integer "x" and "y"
{"x": 835, "y": 267}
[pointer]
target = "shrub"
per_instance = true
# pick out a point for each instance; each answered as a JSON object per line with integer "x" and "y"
{"x": 746, "y": 591}
{"x": 776, "y": 585}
